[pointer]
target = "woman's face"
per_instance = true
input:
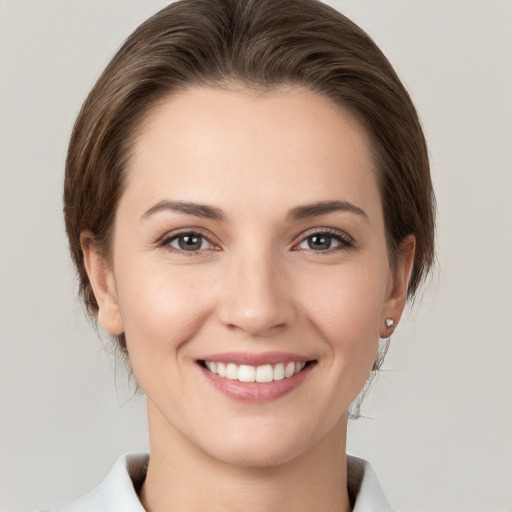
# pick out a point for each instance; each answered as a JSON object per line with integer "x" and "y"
{"x": 250, "y": 272}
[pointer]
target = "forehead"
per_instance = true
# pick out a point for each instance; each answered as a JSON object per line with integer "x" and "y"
{"x": 207, "y": 144}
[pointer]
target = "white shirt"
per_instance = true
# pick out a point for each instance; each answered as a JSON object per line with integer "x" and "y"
{"x": 117, "y": 492}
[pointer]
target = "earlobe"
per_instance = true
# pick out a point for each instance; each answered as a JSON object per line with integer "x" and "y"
{"x": 397, "y": 291}
{"x": 103, "y": 285}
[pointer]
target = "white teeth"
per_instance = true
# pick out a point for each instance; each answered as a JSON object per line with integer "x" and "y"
{"x": 289, "y": 370}
{"x": 221, "y": 369}
{"x": 265, "y": 373}
{"x": 212, "y": 366}
{"x": 247, "y": 373}
{"x": 232, "y": 371}
{"x": 279, "y": 371}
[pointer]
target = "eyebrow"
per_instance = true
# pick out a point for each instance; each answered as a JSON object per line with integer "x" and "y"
{"x": 298, "y": 213}
{"x": 324, "y": 207}
{"x": 196, "y": 209}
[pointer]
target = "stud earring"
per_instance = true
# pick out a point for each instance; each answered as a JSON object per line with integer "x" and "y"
{"x": 389, "y": 323}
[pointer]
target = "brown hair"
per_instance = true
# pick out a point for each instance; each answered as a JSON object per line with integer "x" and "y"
{"x": 258, "y": 44}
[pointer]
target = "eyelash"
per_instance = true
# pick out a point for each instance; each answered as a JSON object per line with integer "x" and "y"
{"x": 166, "y": 241}
{"x": 344, "y": 241}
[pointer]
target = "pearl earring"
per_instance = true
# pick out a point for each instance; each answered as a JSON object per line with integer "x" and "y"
{"x": 389, "y": 323}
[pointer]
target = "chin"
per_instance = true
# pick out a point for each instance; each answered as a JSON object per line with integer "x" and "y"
{"x": 263, "y": 446}
{"x": 256, "y": 455}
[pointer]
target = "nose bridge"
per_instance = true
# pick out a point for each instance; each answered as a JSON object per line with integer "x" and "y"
{"x": 256, "y": 297}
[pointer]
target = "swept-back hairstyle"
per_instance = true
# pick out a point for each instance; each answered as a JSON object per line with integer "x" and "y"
{"x": 259, "y": 44}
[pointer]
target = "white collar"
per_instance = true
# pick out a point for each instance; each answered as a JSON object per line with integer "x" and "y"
{"x": 364, "y": 488}
{"x": 117, "y": 492}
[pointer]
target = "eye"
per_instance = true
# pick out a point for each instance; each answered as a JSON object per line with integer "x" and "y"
{"x": 325, "y": 241}
{"x": 188, "y": 242}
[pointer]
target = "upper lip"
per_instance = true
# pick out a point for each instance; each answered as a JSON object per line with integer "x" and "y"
{"x": 255, "y": 359}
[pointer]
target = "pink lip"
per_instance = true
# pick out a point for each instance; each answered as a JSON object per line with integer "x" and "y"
{"x": 256, "y": 359}
{"x": 256, "y": 392}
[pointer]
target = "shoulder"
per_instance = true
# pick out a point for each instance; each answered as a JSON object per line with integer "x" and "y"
{"x": 117, "y": 493}
{"x": 364, "y": 489}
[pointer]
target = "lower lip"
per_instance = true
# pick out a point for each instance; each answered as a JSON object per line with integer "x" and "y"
{"x": 257, "y": 392}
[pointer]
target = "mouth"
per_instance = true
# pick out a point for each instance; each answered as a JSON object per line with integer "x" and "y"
{"x": 256, "y": 378}
{"x": 261, "y": 374}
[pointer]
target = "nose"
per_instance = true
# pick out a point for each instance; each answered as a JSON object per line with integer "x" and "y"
{"x": 257, "y": 295}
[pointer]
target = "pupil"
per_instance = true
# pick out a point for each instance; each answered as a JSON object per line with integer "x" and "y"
{"x": 189, "y": 242}
{"x": 319, "y": 242}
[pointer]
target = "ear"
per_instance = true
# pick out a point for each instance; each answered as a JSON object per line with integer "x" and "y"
{"x": 103, "y": 285}
{"x": 397, "y": 288}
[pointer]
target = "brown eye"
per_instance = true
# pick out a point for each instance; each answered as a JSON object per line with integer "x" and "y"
{"x": 320, "y": 242}
{"x": 325, "y": 241}
{"x": 189, "y": 242}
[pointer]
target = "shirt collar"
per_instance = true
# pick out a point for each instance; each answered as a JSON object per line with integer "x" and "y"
{"x": 365, "y": 492}
{"x": 117, "y": 493}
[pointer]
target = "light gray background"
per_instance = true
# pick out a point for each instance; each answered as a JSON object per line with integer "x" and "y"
{"x": 440, "y": 439}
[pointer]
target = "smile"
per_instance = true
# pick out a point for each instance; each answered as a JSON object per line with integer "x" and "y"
{"x": 256, "y": 378}
{"x": 260, "y": 374}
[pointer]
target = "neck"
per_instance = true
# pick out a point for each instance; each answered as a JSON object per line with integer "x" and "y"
{"x": 182, "y": 478}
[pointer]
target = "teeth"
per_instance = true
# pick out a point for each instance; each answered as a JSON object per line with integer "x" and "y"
{"x": 212, "y": 366}
{"x": 221, "y": 369}
{"x": 279, "y": 371}
{"x": 265, "y": 373}
{"x": 289, "y": 370}
{"x": 232, "y": 371}
{"x": 246, "y": 373}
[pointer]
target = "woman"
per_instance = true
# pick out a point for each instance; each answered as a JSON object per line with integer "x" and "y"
{"x": 248, "y": 204}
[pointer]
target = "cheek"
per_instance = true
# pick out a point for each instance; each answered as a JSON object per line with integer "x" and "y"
{"x": 162, "y": 307}
{"x": 349, "y": 295}
{"x": 345, "y": 305}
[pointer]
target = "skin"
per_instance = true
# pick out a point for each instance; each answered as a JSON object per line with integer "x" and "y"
{"x": 254, "y": 285}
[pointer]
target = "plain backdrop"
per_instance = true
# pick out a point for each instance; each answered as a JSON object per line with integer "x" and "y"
{"x": 439, "y": 436}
